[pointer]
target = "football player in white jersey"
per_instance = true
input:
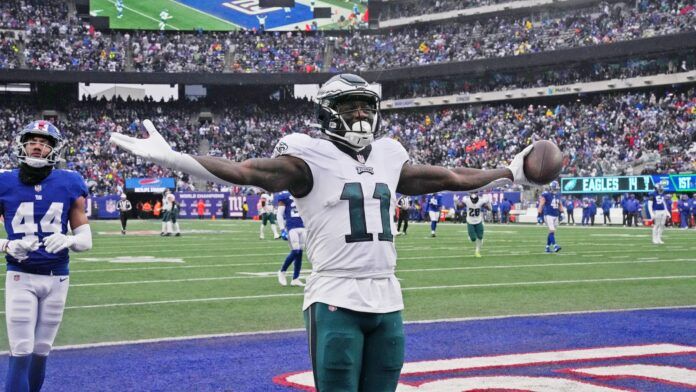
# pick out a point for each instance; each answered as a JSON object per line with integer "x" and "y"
{"x": 659, "y": 206}
{"x": 166, "y": 214}
{"x": 345, "y": 186}
{"x": 265, "y": 208}
{"x": 474, "y": 218}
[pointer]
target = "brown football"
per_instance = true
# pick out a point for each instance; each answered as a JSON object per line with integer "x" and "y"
{"x": 544, "y": 163}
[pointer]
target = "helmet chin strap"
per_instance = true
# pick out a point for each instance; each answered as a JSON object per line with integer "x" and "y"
{"x": 36, "y": 163}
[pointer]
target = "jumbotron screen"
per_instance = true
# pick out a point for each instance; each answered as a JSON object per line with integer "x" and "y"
{"x": 220, "y": 15}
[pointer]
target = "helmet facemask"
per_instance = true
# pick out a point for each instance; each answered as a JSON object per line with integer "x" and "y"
{"x": 45, "y": 130}
{"x": 348, "y": 111}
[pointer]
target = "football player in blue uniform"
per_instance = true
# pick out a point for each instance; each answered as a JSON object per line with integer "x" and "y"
{"x": 290, "y": 221}
{"x": 550, "y": 206}
{"x": 659, "y": 211}
{"x": 684, "y": 206}
{"x": 434, "y": 207}
{"x": 38, "y": 203}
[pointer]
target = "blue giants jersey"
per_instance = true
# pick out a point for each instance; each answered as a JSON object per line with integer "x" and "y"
{"x": 291, "y": 216}
{"x": 659, "y": 202}
{"x": 435, "y": 202}
{"x": 39, "y": 211}
{"x": 552, "y": 204}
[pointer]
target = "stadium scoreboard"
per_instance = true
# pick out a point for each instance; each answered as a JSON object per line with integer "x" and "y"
{"x": 628, "y": 184}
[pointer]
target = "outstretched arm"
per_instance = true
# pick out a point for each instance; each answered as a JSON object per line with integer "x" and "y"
{"x": 272, "y": 175}
{"x": 421, "y": 179}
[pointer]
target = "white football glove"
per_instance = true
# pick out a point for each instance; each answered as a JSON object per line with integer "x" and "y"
{"x": 56, "y": 242}
{"x": 154, "y": 148}
{"x": 19, "y": 249}
{"x": 517, "y": 167}
{"x": 157, "y": 150}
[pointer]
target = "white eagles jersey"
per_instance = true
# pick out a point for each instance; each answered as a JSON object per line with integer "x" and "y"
{"x": 474, "y": 211}
{"x": 166, "y": 204}
{"x": 348, "y": 216}
{"x": 266, "y": 203}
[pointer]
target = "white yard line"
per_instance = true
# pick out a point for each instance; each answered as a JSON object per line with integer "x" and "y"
{"x": 461, "y": 286}
{"x": 501, "y": 266}
{"x": 302, "y": 330}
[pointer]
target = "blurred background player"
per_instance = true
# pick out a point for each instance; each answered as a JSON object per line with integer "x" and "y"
{"x": 164, "y": 17}
{"x": 166, "y": 213}
{"x": 684, "y": 206}
{"x": 119, "y": 9}
{"x": 570, "y": 207}
{"x": 265, "y": 208}
{"x": 659, "y": 210}
{"x": 550, "y": 206}
{"x": 173, "y": 223}
{"x": 124, "y": 206}
{"x": 404, "y": 205}
{"x": 474, "y": 218}
{"x": 38, "y": 202}
{"x": 505, "y": 208}
{"x": 434, "y": 207}
{"x": 585, "y": 211}
{"x": 289, "y": 220}
{"x": 606, "y": 209}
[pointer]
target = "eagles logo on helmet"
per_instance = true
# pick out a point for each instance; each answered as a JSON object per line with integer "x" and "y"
{"x": 348, "y": 111}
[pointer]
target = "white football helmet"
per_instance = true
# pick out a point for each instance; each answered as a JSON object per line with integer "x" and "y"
{"x": 340, "y": 120}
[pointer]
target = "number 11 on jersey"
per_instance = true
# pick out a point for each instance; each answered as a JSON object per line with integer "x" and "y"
{"x": 353, "y": 192}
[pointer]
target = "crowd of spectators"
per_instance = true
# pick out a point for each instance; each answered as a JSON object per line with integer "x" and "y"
{"x": 21, "y": 14}
{"x": 618, "y": 134}
{"x": 72, "y": 46}
{"x": 541, "y": 78}
{"x": 402, "y": 9}
{"x": 510, "y": 36}
{"x": 61, "y": 42}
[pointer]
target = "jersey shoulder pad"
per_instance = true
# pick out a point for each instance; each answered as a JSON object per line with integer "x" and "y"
{"x": 74, "y": 181}
{"x": 393, "y": 148}
{"x": 293, "y": 144}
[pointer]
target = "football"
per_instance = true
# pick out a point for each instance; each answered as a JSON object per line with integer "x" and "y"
{"x": 544, "y": 163}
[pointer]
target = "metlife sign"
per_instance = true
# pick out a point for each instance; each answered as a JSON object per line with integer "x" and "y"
{"x": 628, "y": 184}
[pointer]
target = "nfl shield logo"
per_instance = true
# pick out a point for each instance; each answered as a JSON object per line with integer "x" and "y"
{"x": 16, "y": 278}
{"x": 361, "y": 158}
{"x": 37, "y": 188}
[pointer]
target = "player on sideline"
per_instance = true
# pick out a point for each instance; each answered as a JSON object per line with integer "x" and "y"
{"x": 289, "y": 219}
{"x": 474, "y": 218}
{"x": 404, "y": 204}
{"x": 265, "y": 207}
{"x": 434, "y": 207}
{"x": 173, "y": 224}
{"x": 38, "y": 203}
{"x": 659, "y": 211}
{"x": 551, "y": 207}
{"x": 124, "y": 206}
{"x": 344, "y": 185}
{"x": 166, "y": 214}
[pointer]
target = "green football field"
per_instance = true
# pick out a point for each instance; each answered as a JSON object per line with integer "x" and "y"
{"x": 219, "y": 278}
{"x": 144, "y": 15}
